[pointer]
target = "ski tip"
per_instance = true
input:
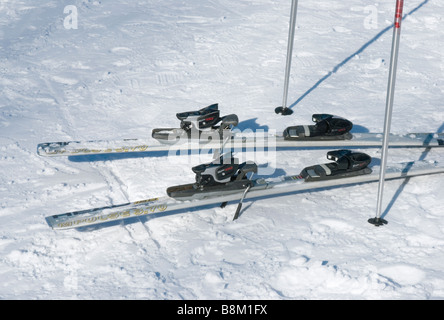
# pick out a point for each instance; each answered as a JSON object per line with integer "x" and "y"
{"x": 41, "y": 151}
{"x": 50, "y": 222}
{"x": 284, "y": 111}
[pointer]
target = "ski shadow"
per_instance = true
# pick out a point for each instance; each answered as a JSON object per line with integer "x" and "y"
{"x": 139, "y": 155}
{"x": 117, "y": 156}
{"x": 398, "y": 192}
{"x": 359, "y": 129}
{"x": 251, "y": 124}
{"x": 350, "y": 57}
{"x": 265, "y": 172}
{"x": 376, "y": 162}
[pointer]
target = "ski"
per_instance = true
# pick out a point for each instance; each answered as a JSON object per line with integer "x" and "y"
{"x": 206, "y": 130}
{"x": 363, "y": 140}
{"x": 348, "y": 168}
{"x": 76, "y": 148}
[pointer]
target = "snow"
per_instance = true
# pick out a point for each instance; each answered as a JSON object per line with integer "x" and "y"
{"x": 130, "y": 66}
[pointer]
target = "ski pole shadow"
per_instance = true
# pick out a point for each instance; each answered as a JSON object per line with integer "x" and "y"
{"x": 403, "y": 185}
{"x": 398, "y": 192}
{"x": 350, "y": 57}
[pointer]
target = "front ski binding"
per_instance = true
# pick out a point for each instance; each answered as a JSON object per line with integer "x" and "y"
{"x": 222, "y": 176}
{"x": 327, "y": 127}
{"x": 346, "y": 164}
{"x": 203, "y": 124}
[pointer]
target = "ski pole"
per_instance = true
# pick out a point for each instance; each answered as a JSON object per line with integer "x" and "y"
{"x": 283, "y": 109}
{"x": 239, "y": 206}
{"x": 378, "y": 221}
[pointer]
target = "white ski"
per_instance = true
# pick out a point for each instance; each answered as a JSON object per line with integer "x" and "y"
{"x": 260, "y": 188}
{"x": 238, "y": 142}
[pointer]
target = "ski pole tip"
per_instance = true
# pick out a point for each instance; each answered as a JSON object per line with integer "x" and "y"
{"x": 377, "y": 222}
{"x": 237, "y": 214}
{"x": 284, "y": 111}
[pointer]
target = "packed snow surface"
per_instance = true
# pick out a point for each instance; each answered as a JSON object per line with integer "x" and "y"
{"x": 84, "y": 69}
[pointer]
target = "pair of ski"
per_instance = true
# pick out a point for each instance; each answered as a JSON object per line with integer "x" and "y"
{"x": 225, "y": 179}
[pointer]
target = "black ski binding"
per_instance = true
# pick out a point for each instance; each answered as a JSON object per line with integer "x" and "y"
{"x": 222, "y": 176}
{"x": 346, "y": 164}
{"x": 327, "y": 127}
{"x": 200, "y": 124}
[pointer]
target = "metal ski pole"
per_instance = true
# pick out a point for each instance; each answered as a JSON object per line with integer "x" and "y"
{"x": 284, "y": 110}
{"x": 378, "y": 221}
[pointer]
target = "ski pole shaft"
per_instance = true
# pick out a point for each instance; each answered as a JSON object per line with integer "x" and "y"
{"x": 284, "y": 110}
{"x": 389, "y": 102}
{"x": 294, "y": 8}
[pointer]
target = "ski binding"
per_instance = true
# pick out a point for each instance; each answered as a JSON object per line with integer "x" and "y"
{"x": 204, "y": 124}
